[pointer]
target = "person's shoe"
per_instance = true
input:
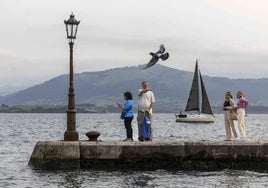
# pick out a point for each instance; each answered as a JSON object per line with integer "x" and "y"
{"x": 141, "y": 139}
{"x": 227, "y": 139}
{"x": 128, "y": 140}
{"x": 235, "y": 139}
{"x": 150, "y": 140}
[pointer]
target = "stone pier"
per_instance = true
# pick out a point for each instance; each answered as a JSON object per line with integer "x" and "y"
{"x": 180, "y": 155}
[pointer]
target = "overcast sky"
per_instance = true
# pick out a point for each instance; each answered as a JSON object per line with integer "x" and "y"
{"x": 229, "y": 37}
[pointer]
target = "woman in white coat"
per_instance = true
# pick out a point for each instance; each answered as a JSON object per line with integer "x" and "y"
{"x": 228, "y": 106}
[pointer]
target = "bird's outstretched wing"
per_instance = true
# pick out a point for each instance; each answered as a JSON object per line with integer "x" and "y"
{"x": 161, "y": 49}
{"x": 164, "y": 56}
{"x": 152, "y": 61}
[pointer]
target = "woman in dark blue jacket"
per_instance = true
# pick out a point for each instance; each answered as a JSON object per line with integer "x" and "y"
{"x": 128, "y": 114}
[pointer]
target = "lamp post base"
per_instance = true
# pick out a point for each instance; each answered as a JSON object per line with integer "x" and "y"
{"x": 71, "y": 136}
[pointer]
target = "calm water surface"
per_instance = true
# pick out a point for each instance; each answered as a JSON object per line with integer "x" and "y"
{"x": 20, "y": 132}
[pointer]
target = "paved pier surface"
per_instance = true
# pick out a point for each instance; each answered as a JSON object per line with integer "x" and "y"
{"x": 202, "y": 155}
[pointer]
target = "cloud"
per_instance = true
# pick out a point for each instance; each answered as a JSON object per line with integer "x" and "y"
{"x": 7, "y": 54}
{"x": 115, "y": 33}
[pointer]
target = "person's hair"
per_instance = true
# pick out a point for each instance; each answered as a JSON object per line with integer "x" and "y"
{"x": 144, "y": 82}
{"x": 128, "y": 95}
{"x": 229, "y": 93}
{"x": 240, "y": 94}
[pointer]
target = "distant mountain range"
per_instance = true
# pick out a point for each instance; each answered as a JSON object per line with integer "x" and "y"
{"x": 171, "y": 88}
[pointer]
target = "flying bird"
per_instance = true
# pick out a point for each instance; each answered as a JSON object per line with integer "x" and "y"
{"x": 155, "y": 56}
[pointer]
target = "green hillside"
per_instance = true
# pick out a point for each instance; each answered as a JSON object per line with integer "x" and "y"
{"x": 171, "y": 88}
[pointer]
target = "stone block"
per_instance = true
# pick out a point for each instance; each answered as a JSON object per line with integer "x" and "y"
{"x": 70, "y": 150}
{"x": 197, "y": 150}
{"x": 147, "y": 150}
{"x": 88, "y": 150}
{"x": 246, "y": 150}
{"x": 173, "y": 149}
{"x": 264, "y": 150}
{"x": 56, "y": 155}
{"x": 106, "y": 150}
{"x": 126, "y": 151}
{"x": 220, "y": 150}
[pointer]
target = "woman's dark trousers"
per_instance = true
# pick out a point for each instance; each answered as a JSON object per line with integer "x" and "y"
{"x": 127, "y": 122}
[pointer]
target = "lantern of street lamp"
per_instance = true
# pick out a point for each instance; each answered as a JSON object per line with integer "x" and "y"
{"x": 71, "y": 27}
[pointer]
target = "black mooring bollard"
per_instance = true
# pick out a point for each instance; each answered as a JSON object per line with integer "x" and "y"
{"x": 93, "y": 135}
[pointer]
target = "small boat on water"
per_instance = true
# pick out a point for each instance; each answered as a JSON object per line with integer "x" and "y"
{"x": 197, "y": 115}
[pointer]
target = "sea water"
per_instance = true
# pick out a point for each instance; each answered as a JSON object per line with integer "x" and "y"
{"x": 20, "y": 132}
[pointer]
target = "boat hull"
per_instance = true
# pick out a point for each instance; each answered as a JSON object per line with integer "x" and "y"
{"x": 195, "y": 119}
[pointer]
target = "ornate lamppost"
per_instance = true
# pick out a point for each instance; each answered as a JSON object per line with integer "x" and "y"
{"x": 71, "y": 134}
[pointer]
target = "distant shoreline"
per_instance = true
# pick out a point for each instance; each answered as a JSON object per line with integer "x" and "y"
{"x": 82, "y": 109}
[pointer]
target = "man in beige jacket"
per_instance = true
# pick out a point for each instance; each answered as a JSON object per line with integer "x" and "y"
{"x": 145, "y": 107}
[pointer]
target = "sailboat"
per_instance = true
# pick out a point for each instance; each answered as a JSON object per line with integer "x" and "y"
{"x": 203, "y": 115}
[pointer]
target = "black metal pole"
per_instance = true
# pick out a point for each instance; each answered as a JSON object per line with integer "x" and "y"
{"x": 71, "y": 134}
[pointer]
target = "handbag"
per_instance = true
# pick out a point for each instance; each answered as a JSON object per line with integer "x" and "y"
{"x": 233, "y": 113}
{"x": 122, "y": 116}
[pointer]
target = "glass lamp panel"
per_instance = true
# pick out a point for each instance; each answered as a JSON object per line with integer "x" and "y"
{"x": 75, "y": 30}
{"x": 70, "y": 31}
